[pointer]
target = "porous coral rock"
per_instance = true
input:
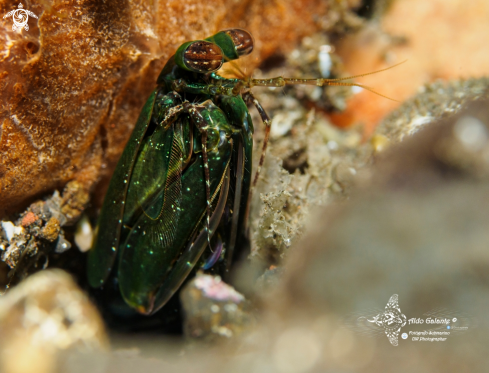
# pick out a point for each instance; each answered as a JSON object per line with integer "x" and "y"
{"x": 425, "y": 107}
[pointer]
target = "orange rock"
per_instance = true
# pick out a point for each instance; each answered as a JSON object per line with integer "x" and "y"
{"x": 28, "y": 219}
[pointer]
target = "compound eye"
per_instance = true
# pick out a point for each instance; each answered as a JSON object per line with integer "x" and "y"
{"x": 202, "y": 57}
{"x": 242, "y": 39}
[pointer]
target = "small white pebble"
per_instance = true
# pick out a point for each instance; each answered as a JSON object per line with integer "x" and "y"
{"x": 356, "y": 89}
{"x": 325, "y": 61}
{"x": 471, "y": 132}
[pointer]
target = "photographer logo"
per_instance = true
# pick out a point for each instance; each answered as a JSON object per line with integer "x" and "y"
{"x": 20, "y": 17}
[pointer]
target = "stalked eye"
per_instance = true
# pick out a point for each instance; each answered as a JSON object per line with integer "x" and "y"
{"x": 242, "y": 40}
{"x": 202, "y": 57}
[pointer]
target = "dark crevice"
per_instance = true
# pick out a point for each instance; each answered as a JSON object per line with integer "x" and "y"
{"x": 367, "y": 9}
{"x": 274, "y": 61}
{"x": 296, "y": 161}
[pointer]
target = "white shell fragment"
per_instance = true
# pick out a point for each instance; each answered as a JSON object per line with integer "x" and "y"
{"x": 11, "y": 230}
{"x": 84, "y": 234}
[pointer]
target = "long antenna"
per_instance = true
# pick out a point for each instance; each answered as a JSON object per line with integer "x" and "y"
{"x": 282, "y": 82}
